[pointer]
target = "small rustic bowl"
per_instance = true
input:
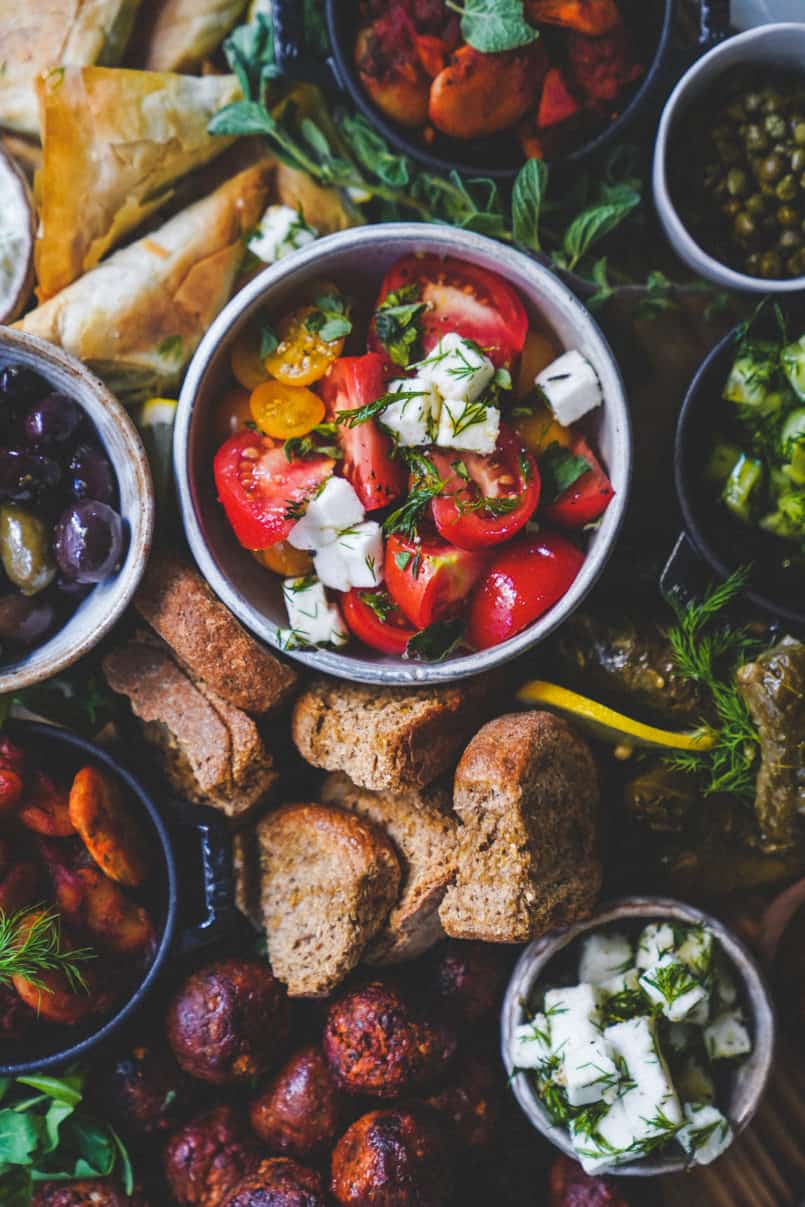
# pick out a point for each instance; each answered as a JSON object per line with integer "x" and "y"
{"x": 104, "y": 606}
{"x": 357, "y": 260}
{"x": 781, "y": 45}
{"x": 749, "y": 1078}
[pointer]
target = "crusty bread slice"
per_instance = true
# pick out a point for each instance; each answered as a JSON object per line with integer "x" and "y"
{"x": 423, "y": 831}
{"x": 389, "y": 738}
{"x": 526, "y": 794}
{"x": 246, "y": 867}
{"x": 329, "y": 881}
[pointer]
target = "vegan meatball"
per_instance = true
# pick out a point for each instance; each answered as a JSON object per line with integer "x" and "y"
{"x": 467, "y": 978}
{"x": 470, "y": 1101}
{"x": 393, "y": 1158}
{"x": 279, "y": 1182}
{"x": 377, "y": 1044}
{"x": 146, "y": 1090}
{"x": 301, "y": 1110}
{"x": 229, "y": 1021}
{"x": 95, "y": 1192}
{"x": 208, "y": 1157}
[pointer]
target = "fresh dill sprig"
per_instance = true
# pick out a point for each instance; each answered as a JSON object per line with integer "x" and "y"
{"x": 31, "y": 946}
{"x": 426, "y": 484}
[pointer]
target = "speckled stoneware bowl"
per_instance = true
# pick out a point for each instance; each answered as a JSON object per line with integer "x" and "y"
{"x": 748, "y": 1079}
{"x": 357, "y": 260}
{"x": 105, "y": 604}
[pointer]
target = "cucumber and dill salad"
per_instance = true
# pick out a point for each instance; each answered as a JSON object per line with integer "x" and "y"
{"x": 625, "y": 1058}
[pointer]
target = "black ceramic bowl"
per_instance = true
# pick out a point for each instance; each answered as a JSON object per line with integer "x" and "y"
{"x": 499, "y": 156}
{"x": 189, "y": 856}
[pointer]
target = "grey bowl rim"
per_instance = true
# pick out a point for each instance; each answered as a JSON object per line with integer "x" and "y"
{"x": 97, "y": 400}
{"x": 442, "y": 240}
{"x": 537, "y": 955}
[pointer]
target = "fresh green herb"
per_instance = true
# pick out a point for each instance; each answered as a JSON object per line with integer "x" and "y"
{"x": 622, "y": 1006}
{"x": 425, "y": 486}
{"x": 300, "y": 584}
{"x": 700, "y": 1136}
{"x": 380, "y": 603}
{"x": 593, "y": 224}
{"x": 437, "y": 642}
{"x": 492, "y": 26}
{"x": 31, "y": 946}
{"x": 311, "y": 445}
{"x": 502, "y": 505}
{"x": 330, "y": 319}
{"x": 361, "y": 414}
{"x": 502, "y": 379}
{"x": 528, "y": 196}
{"x": 172, "y": 347}
{"x": 559, "y": 470}
{"x": 268, "y": 342}
{"x": 402, "y": 559}
{"x": 397, "y": 323}
{"x": 672, "y": 981}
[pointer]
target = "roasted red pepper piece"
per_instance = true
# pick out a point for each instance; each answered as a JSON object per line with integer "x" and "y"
{"x": 602, "y": 67}
{"x": 591, "y": 17}
{"x": 557, "y": 104}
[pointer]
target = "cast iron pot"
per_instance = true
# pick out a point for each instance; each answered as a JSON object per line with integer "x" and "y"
{"x": 187, "y": 844}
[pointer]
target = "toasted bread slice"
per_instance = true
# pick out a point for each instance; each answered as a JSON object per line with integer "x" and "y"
{"x": 526, "y": 794}
{"x": 246, "y": 867}
{"x": 329, "y": 881}
{"x": 423, "y": 831}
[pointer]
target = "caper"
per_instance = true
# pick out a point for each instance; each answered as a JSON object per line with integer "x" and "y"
{"x": 796, "y": 264}
{"x": 775, "y": 126}
{"x": 755, "y": 139}
{"x": 25, "y": 549}
{"x": 798, "y": 160}
{"x": 752, "y": 102}
{"x": 736, "y": 110}
{"x": 772, "y": 101}
{"x": 737, "y": 182}
{"x": 744, "y": 226}
{"x": 787, "y": 188}
{"x": 790, "y": 240}
{"x": 799, "y": 134}
{"x": 770, "y": 265}
{"x": 771, "y": 168}
{"x": 753, "y": 264}
{"x": 731, "y": 207}
{"x": 756, "y": 204}
{"x": 787, "y": 216}
{"x": 729, "y": 153}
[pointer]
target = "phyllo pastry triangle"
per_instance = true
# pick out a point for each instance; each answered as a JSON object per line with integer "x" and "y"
{"x": 182, "y": 33}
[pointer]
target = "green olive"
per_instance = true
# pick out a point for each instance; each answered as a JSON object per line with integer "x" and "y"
{"x": 775, "y": 125}
{"x": 25, "y": 549}
{"x": 756, "y": 204}
{"x": 787, "y": 216}
{"x": 799, "y": 134}
{"x": 755, "y": 139}
{"x": 745, "y": 227}
{"x": 737, "y": 182}
{"x": 771, "y": 168}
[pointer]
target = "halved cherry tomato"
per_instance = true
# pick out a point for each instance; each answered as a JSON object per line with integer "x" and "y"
{"x": 283, "y": 559}
{"x": 524, "y": 581}
{"x": 368, "y": 464}
{"x": 302, "y": 356}
{"x": 509, "y": 479}
{"x": 587, "y": 498}
{"x": 232, "y": 414}
{"x": 471, "y": 301}
{"x": 430, "y": 579}
{"x": 374, "y": 617}
{"x": 285, "y": 411}
{"x": 247, "y": 365}
{"x": 258, "y": 487}
{"x": 539, "y": 429}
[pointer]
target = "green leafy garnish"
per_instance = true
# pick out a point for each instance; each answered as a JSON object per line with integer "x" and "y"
{"x": 397, "y": 323}
{"x": 380, "y": 603}
{"x": 314, "y": 444}
{"x": 593, "y": 224}
{"x": 437, "y": 642}
{"x": 559, "y": 470}
{"x": 492, "y": 26}
{"x": 31, "y": 946}
{"x": 268, "y": 342}
{"x": 425, "y": 485}
{"x": 330, "y": 319}
{"x": 528, "y": 196}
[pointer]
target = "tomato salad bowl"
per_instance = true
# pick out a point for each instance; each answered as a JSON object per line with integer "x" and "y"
{"x": 369, "y": 476}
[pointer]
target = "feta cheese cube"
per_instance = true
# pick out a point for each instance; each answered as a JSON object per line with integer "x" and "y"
{"x": 415, "y": 418}
{"x": 531, "y": 1046}
{"x": 726, "y": 990}
{"x": 313, "y": 619}
{"x": 696, "y": 950}
{"x": 726, "y": 1036}
{"x": 334, "y": 508}
{"x": 653, "y": 1098}
{"x": 281, "y": 231}
{"x": 591, "y": 1074}
{"x": 354, "y": 559}
{"x": 706, "y": 1134}
{"x": 457, "y": 369}
{"x": 571, "y": 387}
{"x": 624, "y": 982}
{"x": 671, "y": 985}
{"x": 468, "y": 425}
{"x": 655, "y": 941}
{"x": 604, "y": 956}
{"x": 700, "y": 1013}
{"x": 573, "y": 1014}
{"x": 607, "y": 1144}
{"x": 694, "y": 1083}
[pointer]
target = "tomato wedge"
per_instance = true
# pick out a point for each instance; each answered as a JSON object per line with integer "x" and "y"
{"x": 351, "y": 383}
{"x": 258, "y": 486}
{"x": 471, "y": 301}
{"x": 587, "y": 498}
{"x": 524, "y": 581}
{"x": 486, "y": 500}
{"x": 374, "y": 617}
{"x": 430, "y": 579}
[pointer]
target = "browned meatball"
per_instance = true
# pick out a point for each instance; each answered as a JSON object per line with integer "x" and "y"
{"x": 229, "y": 1021}
{"x": 393, "y": 1158}
{"x": 377, "y": 1044}
{"x": 97, "y": 1192}
{"x": 301, "y": 1110}
{"x": 468, "y": 979}
{"x": 145, "y": 1090}
{"x": 471, "y": 1102}
{"x": 207, "y": 1157}
{"x": 279, "y": 1182}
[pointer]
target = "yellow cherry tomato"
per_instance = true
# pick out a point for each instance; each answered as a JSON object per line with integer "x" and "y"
{"x": 539, "y": 351}
{"x": 283, "y": 559}
{"x": 284, "y": 411}
{"x": 232, "y": 413}
{"x": 248, "y": 367}
{"x": 539, "y": 430}
{"x": 302, "y": 356}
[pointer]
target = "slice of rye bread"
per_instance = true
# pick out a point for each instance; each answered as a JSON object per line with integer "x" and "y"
{"x": 205, "y": 637}
{"x": 386, "y": 738}
{"x": 211, "y": 753}
{"x": 246, "y": 868}
{"x": 423, "y": 831}
{"x": 329, "y": 882}
{"x": 526, "y": 794}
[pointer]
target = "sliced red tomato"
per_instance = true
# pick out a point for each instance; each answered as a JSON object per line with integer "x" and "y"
{"x": 351, "y": 383}
{"x": 430, "y": 579}
{"x": 486, "y": 500}
{"x": 258, "y": 487}
{"x": 471, "y": 301}
{"x": 523, "y": 582}
{"x": 587, "y": 498}
{"x": 374, "y": 617}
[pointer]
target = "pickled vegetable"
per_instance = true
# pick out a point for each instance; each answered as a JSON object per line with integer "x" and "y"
{"x": 25, "y": 549}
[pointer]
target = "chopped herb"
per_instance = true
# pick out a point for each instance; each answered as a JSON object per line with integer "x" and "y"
{"x": 371, "y": 409}
{"x": 460, "y": 469}
{"x": 397, "y": 323}
{"x": 425, "y": 485}
{"x": 560, "y": 469}
{"x": 172, "y": 348}
{"x": 31, "y": 947}
{"x": 622, "y": 1006}
{"x": 300, "y": 584}
{"x": 298, "y": 447}
{"x": 437, "y": 641}
{"x": 502, "y": 379}
{"x": 330, "y": 318}
{"x": 268, "y": 342}
{"x": 402, "y": 559}
{"x": 380, "y": 603}
{"x": 502, "y": 505}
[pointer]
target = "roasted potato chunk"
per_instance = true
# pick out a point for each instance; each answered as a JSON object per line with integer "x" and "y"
{"x": 44, "y": 809}
{"x": 100, "y": 815}
{"x": 482, "y": 94}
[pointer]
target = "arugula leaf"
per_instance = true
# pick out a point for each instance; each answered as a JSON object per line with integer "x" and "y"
{"x": 528, "y": 195}
{"x": 397, "y": 325}
{"x": 559, "y": 469}
{"x": 437, "y": 642}
{"x": 94, "y": 1143}
{"x": 19, "y": 1136}
{"x": 494, "y": 25}
{"x": 593, "y": 224}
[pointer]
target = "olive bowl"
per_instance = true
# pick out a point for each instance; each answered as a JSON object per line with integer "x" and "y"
{"x": 105, "y": 604}
{"x": 747, "y": 1081}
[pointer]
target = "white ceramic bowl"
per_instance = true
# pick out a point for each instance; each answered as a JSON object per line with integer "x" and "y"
{"x": 748, "y": 1079}
{"x": 357, "y": 260}
{"x": 781, "y": 45}
{"x": 105, "y": 604}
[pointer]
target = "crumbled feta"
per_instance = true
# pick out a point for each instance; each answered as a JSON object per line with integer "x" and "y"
{"x": 470, "y": 426}
{"x": 354, "y": 559}
{"x": 333, "y": 509}
{"x": 573, "y": 1014}
{"x": 694, "y": 1083}
{"x": 671, "y": 985}
{"x": 726, "y": 1036}
{"x": 655, "y": 941}
{"x": 531, "y": 1048}
{"x": 313, "y": 619}
{"x": 457, "y": 369}
{"x": 706, "y": 1134}
{"x": 696, "y": 950}
{"x": 281, "y": 231}
{"x": 571, "y": 387}
{"x": 591, "y": 1074}
{"x": 604, "y": 956}
{"x": 415, "y": 419}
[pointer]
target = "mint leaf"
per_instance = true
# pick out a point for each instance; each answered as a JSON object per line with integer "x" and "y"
{"x": 494, "y": 25}
{"x": 268, "y": 342}
{"x": 527, "y": 198}
{"x": 559, "y": 470}
{"x": 243, "y": 117}
{"x": 593, "y": 224}
{"x": 437, "y": 642}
